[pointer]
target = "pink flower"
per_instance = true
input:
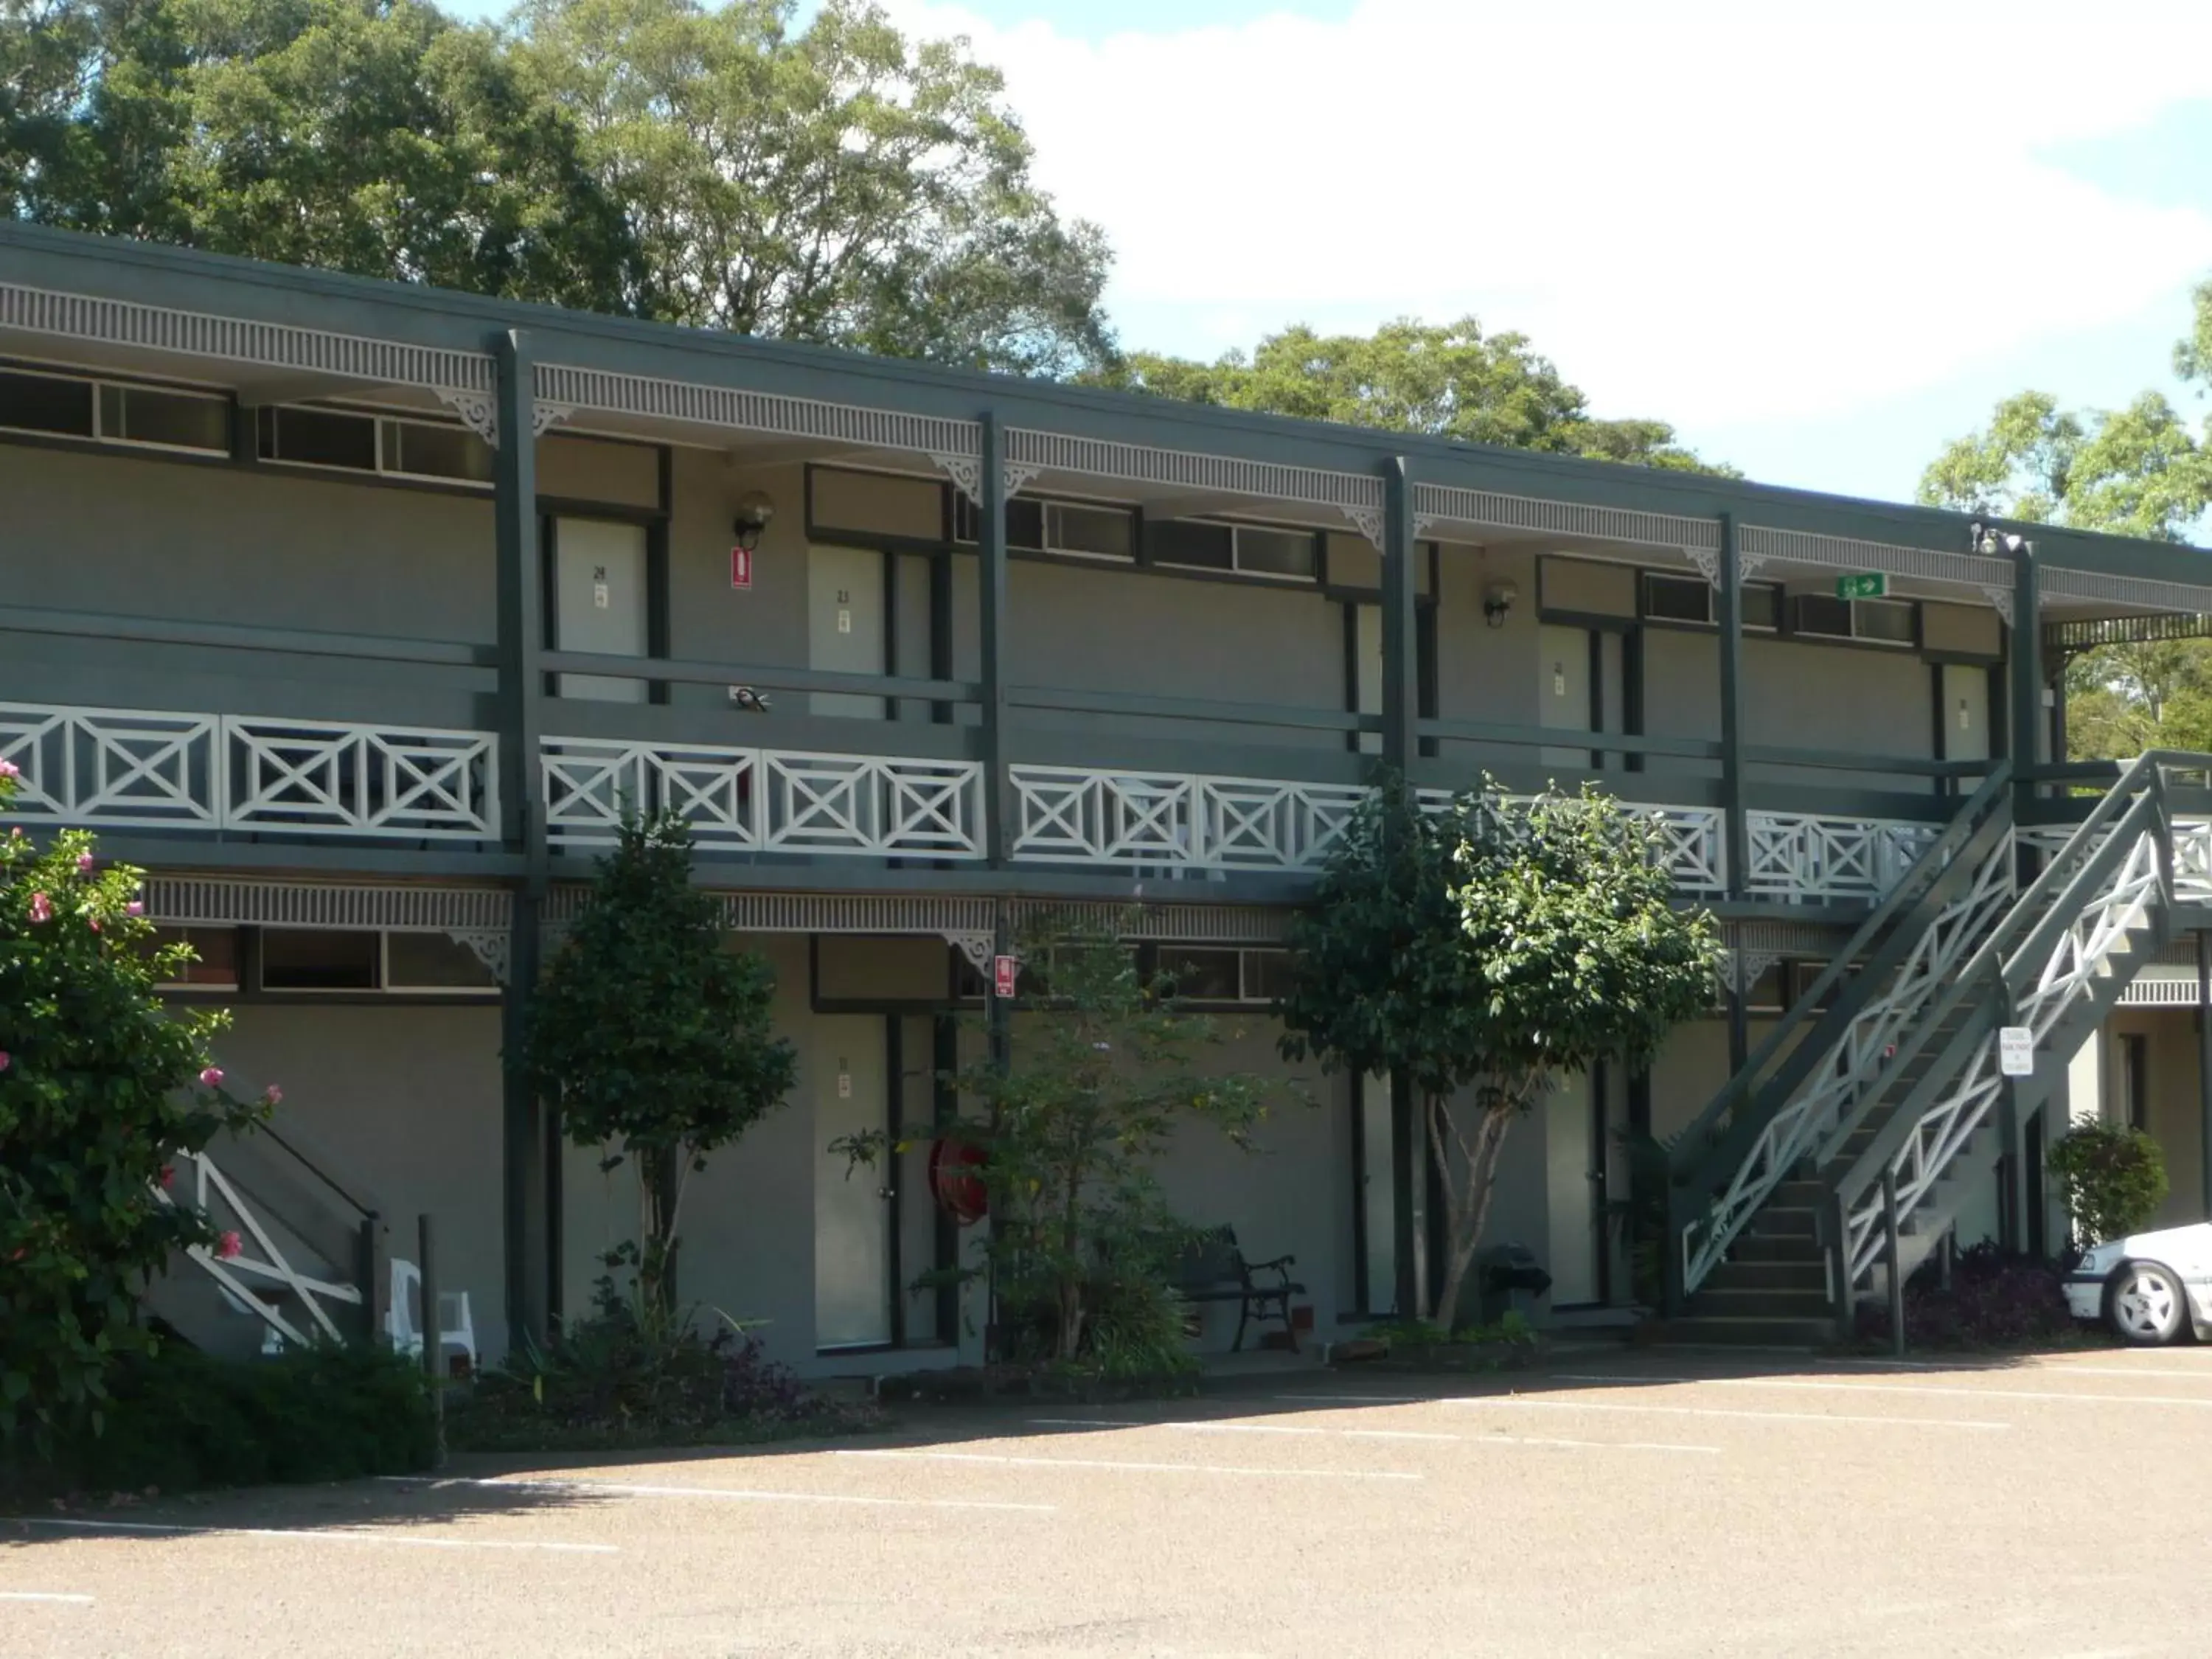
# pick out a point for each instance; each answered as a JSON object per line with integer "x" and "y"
{"x": 227, "y": 1246}
{"x": 4, "y": 1059}
{"x": 272, "y": 1096}
{"x": 134, "y": 908}
{"x": 83, "y": 863}
{"x": 168, "y": 1177}
{"x": 95, "y": 924}
{"x": 9, "y": 769}
{"x": 211, "y": 1077}
{"x": 42, "y": 908}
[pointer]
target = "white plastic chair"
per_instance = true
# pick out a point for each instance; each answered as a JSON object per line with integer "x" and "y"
{"x": 456, "y": 1327}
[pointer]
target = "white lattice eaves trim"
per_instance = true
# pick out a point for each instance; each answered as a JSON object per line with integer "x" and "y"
{"x": 190, "y": 901}
{"x": 1491, "y": 510}
{"x": 650, "y": 398}
{"x": 2137, "y": 592}
{"x": 1350, "y": 493}
{"x": 235, "y": 340}
{"x": 1977, "y": 571}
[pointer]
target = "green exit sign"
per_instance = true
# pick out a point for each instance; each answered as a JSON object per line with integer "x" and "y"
{"x": 1872, "y": 585}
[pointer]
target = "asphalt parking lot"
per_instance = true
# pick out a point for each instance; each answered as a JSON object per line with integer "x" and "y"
{"x": 1653, "y": 1503}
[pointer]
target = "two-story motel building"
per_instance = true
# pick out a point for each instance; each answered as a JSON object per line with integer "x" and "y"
{"x": 355, "y": 613}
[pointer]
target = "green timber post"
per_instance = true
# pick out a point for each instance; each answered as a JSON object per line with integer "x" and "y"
{"x": 530, "y": 1170}
{"x": 1735, "y": 821}
{"x": 1728, "y": 611}
{"x": 2203, "y": 943}
{"x": 2024, "y": 660}
{"x": 990, "y": 623}
{"x": 1409, "y": 1173}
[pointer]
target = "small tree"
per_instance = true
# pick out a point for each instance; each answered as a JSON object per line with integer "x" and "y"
{"x": 1104, "y": 1067}
{"x": 2114, "y": 1178}
{"x": 100, "y": 1091}
{"x": 654, "y": 1040}
{"x": 1489, "y": 951}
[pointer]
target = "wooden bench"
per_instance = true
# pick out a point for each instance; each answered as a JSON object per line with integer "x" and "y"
{"x": 1214, "y": 1269}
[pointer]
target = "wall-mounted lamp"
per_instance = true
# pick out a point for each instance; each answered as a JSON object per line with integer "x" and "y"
{"x": 755, "y": 509}
{"x": 1497, "y": 603}
{"x": 1986, "y": 538}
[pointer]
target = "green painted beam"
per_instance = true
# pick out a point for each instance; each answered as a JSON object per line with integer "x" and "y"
{"x": 991, "y": 591}
{"x": 1401, "y": 696}
{"x": 225, "y": 636}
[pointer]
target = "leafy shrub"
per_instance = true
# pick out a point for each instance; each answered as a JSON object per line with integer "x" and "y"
{"x": 177, "y": 1420}
{"x": 101, "y": 1094}
{"x": 1994, "y": 1301}
{"x": 2114, "y": 1178}
{"x": 1511, "y": 1331}
{"x": 1135, "y": 1332}
{"x": 636, "y": 1373}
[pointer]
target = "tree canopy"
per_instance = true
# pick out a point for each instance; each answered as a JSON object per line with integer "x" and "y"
{"x": 657, "y": 1043}
{"x": 1440, "y": 380}
{"x": 2141, "y": 470}
{"x": 1487, "y": 953}
{"x": 838, "y": 183}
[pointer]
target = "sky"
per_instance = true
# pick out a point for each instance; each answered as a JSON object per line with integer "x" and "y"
{"x": 1822, "y": 241}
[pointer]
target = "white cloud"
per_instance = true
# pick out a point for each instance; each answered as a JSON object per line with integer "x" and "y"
{"x": 1714, "y": 213}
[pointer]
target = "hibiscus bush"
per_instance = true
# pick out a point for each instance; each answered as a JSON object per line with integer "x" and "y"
{"x": 102, "y": 1092}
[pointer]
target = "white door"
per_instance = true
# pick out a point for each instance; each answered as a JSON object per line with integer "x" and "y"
{"x": 845, "y": 625}
{"x": 852, "y": 1208}
{"x": 1570, "y": 1160}
{"x": 1379, "y": 1193}
{"x": 1966, "y": 711}
{"x": 1563, "y": 692}
{"x": 1367, "y": 662}
{"x": 599, "y": 602}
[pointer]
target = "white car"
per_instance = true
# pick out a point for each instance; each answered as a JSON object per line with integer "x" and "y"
{"x": 2147, "y": 1285}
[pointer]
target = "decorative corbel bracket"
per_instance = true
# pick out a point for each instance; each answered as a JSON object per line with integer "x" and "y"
{"x": 966, "y": 472}
{"x": 480, "y": 414}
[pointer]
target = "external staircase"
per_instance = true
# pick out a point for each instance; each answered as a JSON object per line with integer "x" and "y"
{"x": 309, "y": 1260}
{"x": 1846, "y": 1147}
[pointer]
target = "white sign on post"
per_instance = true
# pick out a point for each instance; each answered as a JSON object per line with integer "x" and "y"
{"x": 2015, "y": 1051}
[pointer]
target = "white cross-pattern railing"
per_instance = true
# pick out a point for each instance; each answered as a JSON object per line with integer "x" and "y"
{"x": 322, "y": 777}
{"x": 1176, "y": 820}
{"x": 259, "y": 1259}
{"x": 1692, "y": 840}
{"x": 139, "y": 768}
{"x": 133, "y": 768}
{"x": 1815, "y": 858}
{"x": 765, "y": 800}
{"x": 1696, "y": 847}
{"x": 1858, "y": 1065}
{"x": 1190, "y": 821}
{"x": 2064, "y": 978}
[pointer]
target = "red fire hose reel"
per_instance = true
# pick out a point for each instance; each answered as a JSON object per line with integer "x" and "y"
{"x": 956, "y": 1180}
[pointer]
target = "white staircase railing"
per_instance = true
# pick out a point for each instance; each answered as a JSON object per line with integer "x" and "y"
{"x": 2083, "y": 952}
{"x": 249, "y": 1256}
{"x": 1857, "y": 1065}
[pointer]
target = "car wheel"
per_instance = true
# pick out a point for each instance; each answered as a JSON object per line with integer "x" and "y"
{"x": 2144, "y": 1303}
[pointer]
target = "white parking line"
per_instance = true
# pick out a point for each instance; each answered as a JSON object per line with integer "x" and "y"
{"x": 739, "y": 1494}
{"x": 1936, "y": 1389}
{"x": 1145, "y": 1469}
{"x": 1666, "y": 1411}
{"x": 1242, "y": 1428}
{"x": 45, "y": 1595}
{"x": 1523, "y": 1401}
{"x": 310, "y": 1535}
{"x": 1372, "y": 1434}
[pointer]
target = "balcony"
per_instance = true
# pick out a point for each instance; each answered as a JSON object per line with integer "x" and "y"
{"x": 899, "y": 796}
